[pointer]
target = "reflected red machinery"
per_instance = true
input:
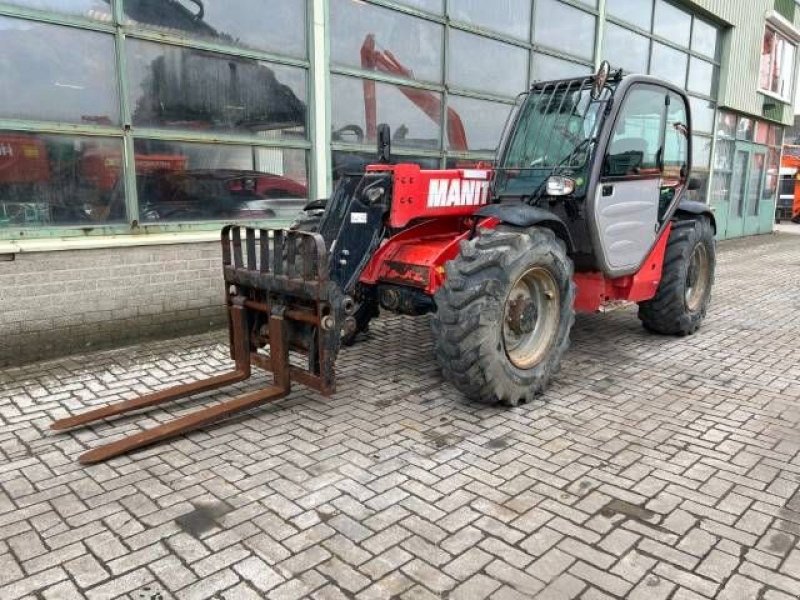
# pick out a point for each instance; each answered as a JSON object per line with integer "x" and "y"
{"x": 374, "y": 59}
{"x": 789, "y": 198}
{"x": 23, "y": 159}
{"x": 24, "y": 169}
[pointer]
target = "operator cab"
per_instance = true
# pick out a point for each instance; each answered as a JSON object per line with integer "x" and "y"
{"x": 610, "y": 155}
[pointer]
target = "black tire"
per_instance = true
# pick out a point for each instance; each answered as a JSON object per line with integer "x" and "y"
{"x": 366, "y": 301}
{"x": 679, "y": 306}
{"x": 469, "y": 327}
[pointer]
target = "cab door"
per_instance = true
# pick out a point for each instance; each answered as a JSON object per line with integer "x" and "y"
{"x": 644, "y": 170}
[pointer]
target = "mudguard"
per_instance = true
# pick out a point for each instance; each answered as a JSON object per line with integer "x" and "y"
{"x": 522, "y": 215}
{"x": 694, "y": 208}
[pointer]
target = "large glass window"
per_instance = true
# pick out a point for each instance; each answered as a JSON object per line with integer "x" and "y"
{"x": 547, "y": 68}
{"x": 472, "y": 57}
{"x": 181, "y": 88}
{"x": 562, "y": 27}
{"x": 179, "y": 181}
{"x": 671, "y": 23}
{"x": 702, "y": 115}
{"x": 59, "y": 180}
{"x": 62, "y": 69}
{"x": 386, "y": 41}
{"x": 625, "y": 49}
{"x": 669, "y": 64}
{"x": 56, "y": 73}
{"x": 635, "y": 12}
{"x": 271, "y": 25}
{"x": 777, "y": 64}
{"x": 358, "y": 105}
{"x": 511, "y": 17}
{"x": 705, "y": 38}
{"x": 701, "y": 77}
{"x": 482, "y": 123}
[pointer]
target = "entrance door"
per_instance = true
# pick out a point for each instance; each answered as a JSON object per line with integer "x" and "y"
{"x": 755, "y": 186}
{"x": 747, "y": 183}
{"x": 738, "y": 200}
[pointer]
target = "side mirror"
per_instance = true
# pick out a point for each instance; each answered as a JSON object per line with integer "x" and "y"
{"x": 384, "y": 143}
{"x": 694, "y": 184}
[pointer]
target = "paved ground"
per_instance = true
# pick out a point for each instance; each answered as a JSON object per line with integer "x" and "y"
{"x": 788, "y": 227}
{"x": 654, "y": 468}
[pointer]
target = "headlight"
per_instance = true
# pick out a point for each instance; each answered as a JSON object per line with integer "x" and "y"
{"x": 560, "y": 186}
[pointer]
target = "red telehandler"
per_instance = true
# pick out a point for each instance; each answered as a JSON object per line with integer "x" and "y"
{"x": 584, "y": 206}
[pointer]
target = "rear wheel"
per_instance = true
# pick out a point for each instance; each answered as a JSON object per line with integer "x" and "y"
{"x": 683, "y": 295}
{"x": 504, "y": 314}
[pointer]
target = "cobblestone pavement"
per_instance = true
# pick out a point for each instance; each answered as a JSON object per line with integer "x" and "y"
{"x": 653, "y": 468}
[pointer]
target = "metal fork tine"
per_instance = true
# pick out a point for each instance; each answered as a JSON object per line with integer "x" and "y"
{"x": 264, "y": 245}
{"x": 237, "y": 247}
{"x": 226, "y": 245}
{"x": 309, "y": 258}
{"x": 291, "y": 255}
{"x": 277, "y": 251}
{"x": 251, "y": 248}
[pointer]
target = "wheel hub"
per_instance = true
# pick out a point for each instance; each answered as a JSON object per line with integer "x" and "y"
{"x": 531, "y": 318}
{"x": 697, "y": 278}
{"x": 522, "y": 315}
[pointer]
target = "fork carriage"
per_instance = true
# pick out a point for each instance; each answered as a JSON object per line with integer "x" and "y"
{"x": 278, "y": 296}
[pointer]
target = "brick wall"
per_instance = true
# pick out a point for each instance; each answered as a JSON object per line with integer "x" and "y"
{"x": 57, "y": 303}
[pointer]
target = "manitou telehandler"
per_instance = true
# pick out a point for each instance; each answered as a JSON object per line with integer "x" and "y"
{"x": 584, "y": 206}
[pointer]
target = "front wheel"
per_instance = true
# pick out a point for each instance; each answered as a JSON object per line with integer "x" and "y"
{"x": 684, "y": 293}
{"x": 504, "y": 314}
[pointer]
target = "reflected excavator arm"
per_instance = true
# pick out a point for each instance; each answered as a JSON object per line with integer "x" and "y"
{"x": 374, "y": 59}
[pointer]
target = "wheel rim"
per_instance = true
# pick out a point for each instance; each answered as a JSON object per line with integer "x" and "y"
{"x": 530, "y": 318}
{"x": 697, "y": 277}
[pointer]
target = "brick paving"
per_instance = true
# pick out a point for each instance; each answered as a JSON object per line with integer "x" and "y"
{"x": 653, "y": 468}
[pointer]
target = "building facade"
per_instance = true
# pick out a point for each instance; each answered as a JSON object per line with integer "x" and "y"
{"x": 131, "y": 129}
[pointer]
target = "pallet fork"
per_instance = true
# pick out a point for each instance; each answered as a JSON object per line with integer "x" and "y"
{"x": 281, "y": 298}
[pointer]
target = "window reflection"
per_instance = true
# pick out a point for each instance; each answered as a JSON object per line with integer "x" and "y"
{"x": 182, "y": 88}
{"x": 625, "y": 49}
{"x": 179, "y": 181}
{"x": 548, "y": 68}
{"x": 701, "y": 76}
{"x": 511, "y": 17}
{"x": 777, "y": 64}
{"x": 346, "y": 161}
{"x": 635, "y": 12}
{"x": 434, "y": 6}
{"x": 272, "y": 25}
{"x": 564, "y": 28}
{"x": 56, "y": 73}
{"x": 99, "y": 10}
{"x": 414, "y": 115}
{"x": 702, "y": 115}
{"x": 383, "y": 40}
{"x": 50, "y": 180}
{"x": 704, "y": 38}
{"x": 669, "y": 64}
{"x": 701, "y": 151}
{"x": 483, "y": 122}
{"x": 472, "y": 57}
{"x": 672, "y": 23}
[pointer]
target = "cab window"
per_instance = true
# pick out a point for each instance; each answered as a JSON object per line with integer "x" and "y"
{"x": 634, "y": 150}
{"x": 676, "y": 141}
